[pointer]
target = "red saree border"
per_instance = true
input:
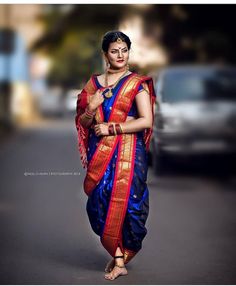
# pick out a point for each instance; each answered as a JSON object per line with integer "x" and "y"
{"x": 112, "y": 234}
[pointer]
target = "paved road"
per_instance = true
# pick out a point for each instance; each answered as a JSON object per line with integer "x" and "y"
{"x": 45, "y": 234}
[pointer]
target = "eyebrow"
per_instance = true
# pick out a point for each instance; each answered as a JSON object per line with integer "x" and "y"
{"x": 118, "y": 49}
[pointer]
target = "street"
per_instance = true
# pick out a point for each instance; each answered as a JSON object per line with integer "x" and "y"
{"x": 45, "y": 233}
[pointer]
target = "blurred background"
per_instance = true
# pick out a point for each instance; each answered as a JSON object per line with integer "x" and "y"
{"x": 47, "y": 54}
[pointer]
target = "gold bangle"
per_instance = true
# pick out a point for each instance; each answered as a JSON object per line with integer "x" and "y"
{"x": 89, "y": 112}
{"x": 122, "y": 131}
{"x": 88, "y": 115}
{"x": 87, "y": 118}
{"x": 114, "y": 126}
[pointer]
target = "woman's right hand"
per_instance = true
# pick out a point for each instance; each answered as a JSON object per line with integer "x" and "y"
{"x": 96, "y": 100}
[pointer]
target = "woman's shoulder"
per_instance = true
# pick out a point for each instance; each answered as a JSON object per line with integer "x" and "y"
{"x": 142, "y": 77}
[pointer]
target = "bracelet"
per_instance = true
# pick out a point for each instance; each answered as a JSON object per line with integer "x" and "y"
{"x": 88, "y": 116}
{"x": 118, "y": 128}
{"x": 89, "y": 112}
{"x": 114, "y": 127}
{"x": 111, "y": 129}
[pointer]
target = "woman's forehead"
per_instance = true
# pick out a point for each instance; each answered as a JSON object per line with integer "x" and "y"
{"x": 116, "y": 45}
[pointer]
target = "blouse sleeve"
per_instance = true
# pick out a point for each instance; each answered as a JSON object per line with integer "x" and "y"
{"x": 143, "y": 86}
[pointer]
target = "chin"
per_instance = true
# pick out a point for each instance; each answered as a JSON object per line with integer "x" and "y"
{"x": 119, "y": 65}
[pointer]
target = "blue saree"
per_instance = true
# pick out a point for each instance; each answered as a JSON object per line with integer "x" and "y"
{"x": 118, "y": 198}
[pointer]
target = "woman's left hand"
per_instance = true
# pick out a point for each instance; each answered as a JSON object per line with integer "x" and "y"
{"x": 101, "y": 129}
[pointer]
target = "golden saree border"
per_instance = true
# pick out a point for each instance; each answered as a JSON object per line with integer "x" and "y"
{"x": 112, "y": 234}
{"x": 128, "y": 255}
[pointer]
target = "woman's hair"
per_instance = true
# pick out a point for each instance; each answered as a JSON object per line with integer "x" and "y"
{"x": 111, "y": 37}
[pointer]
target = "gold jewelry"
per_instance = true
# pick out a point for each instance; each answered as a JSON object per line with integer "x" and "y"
{"x": 88, "y": 117}
{"x": 122, "y": 131}
{"x": 118, "y": 129}
{"x": 114, "y": 126}
{"x": 89, "y": 114}
{"x": 119, "y": 40}
{"x": 111, "y": 129}
{"x": 109, "y": 91}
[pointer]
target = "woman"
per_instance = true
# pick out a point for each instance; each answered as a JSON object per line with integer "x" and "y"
{"x": 114, "y": 123}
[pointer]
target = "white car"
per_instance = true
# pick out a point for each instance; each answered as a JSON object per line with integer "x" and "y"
{"x": 195, "y": 114}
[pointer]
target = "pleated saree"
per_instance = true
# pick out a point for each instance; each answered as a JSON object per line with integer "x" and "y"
{"x": 117, "y": 165}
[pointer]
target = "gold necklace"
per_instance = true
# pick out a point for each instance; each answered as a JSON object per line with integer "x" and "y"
{"x": 109, "y": 91}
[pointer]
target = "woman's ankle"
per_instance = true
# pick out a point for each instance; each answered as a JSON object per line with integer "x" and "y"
{"x": 119, "y": 261}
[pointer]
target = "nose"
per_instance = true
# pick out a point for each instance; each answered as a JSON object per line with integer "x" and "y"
{"x": 120, "y": 54}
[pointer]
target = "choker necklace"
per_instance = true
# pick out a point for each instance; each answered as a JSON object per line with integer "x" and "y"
{"x": 108, "y": 92}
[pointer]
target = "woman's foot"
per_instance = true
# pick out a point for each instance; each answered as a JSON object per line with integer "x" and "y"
{"x": 119, "y": 269}
{"x": 110, "y": 265}
{"x": 116, "y": 272}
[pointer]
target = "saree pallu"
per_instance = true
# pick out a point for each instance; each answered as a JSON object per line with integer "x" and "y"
{"x": 115, "y": 183}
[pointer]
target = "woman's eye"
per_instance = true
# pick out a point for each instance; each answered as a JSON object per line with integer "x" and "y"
{"x": 115, "y": 52}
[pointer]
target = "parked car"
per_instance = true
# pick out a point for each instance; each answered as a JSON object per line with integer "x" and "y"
{"x": 195, "y": 112}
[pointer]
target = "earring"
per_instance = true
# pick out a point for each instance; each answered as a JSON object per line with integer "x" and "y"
{"x": 107, "y": 65}
{"x": 127, "y": 67}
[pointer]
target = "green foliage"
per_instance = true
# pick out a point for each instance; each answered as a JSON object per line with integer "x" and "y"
{"x": 76, "y": 58}
{"x": 72, "y": 40}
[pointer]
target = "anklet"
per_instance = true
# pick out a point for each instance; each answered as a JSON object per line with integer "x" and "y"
{"x": 119, "y": 256}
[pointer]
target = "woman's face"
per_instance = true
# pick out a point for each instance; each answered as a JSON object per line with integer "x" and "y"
{"x": 117, "y": 55}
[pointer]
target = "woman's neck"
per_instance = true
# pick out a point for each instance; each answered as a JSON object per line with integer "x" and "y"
{"x": 114, "y": 71}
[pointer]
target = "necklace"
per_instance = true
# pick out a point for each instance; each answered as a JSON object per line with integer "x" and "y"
{"x": 109, "y": 90}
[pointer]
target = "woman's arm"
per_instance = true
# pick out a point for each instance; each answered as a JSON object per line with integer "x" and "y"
{"x": 145, "y": 114}
{"x": 85, "y": 121}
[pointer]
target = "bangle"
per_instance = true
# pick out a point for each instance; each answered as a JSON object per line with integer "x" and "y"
{"x": 114, "y": 128}
{"x": 111, "y": 129}
{"x": 88, "y": 116}
{"x": 89, "y": 112}
{"x": 122, "y": 131}
{"x": 118, "y": 129}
